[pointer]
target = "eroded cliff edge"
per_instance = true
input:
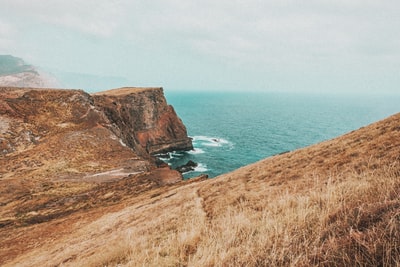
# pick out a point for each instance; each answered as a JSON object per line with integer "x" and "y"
{"x": 143, "y": 119}
{"x": 71, "y": 124}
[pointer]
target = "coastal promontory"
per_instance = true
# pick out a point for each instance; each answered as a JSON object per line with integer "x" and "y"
{"x": 60, "y": 150}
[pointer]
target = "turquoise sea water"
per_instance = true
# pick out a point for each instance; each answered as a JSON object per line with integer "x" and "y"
{"x": 230, "y": 130}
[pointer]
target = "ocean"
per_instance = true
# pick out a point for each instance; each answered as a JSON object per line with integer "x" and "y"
{"x": 231, "y": 130}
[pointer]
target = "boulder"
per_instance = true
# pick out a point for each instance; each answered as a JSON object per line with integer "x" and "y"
{"x": 189, "y": 166}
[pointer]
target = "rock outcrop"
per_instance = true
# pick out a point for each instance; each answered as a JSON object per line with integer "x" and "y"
{"x": 143, "y": 120}
{"x": 189, "y": 166}
{"x": 65, "y": 151}
{"x": 71, "y": 134}
{"x": 133, "y": 119}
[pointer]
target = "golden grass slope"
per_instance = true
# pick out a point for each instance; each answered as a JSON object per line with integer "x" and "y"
{"x": 336, "y": 203}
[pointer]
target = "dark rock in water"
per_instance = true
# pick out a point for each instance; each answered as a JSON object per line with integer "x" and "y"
{"x": 189, "y": 166}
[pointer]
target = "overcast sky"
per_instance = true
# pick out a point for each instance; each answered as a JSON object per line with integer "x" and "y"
{"x": 323, "y": 46}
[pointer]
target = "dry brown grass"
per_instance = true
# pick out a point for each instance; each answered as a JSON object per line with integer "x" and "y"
{"x": 353, "y": 222}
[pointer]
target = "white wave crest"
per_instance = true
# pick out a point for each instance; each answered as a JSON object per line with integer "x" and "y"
{"x": 176, "y": 154}
{"x": 210, "y": 141}
{"x": 201, "y": 168}
{"x": 196, "y": 151}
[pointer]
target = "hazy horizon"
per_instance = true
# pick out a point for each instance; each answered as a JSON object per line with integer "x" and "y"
{"x": 273, "y": 46}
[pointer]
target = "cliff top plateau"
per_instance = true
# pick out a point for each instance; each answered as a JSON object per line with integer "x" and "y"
{"x": 79, "y": 188}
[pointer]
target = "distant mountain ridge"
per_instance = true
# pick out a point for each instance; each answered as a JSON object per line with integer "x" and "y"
{"x": 12, "y": 65}
{"x": 16, "y": 72}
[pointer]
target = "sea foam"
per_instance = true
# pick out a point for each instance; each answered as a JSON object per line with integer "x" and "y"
{"x": 201, "y": 168}
{"x": 210, "y": 141}
{"x": 196, "y": 151}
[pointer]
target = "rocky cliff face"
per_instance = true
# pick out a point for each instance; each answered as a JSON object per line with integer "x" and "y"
{"x": 143, "y": 119}
{"x": 66, "y": 151}
{"x": 69, "y": 133}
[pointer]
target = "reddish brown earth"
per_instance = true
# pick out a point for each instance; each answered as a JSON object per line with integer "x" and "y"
{"x": 63, "y": 151}
{"x": 143, "y": 119}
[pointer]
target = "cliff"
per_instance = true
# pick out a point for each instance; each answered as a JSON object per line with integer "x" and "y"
{"x": 143, "y": 120}
{"x": 56, "y": 146}
{"x": 136, "y": 117}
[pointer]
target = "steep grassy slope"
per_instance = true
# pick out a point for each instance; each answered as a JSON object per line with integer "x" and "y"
{"x": 336, "y": 203}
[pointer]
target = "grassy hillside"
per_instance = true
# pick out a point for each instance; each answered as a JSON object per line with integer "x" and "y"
{"x": 336, "y": 203}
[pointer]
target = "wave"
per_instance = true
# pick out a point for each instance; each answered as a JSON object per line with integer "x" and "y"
{"x": 170, "y": 155}
{"x": 176, "y": 154}
{"x": 201, "y": 168}
{"x": 196, "y": 151}
{"x": 210, "y": 141}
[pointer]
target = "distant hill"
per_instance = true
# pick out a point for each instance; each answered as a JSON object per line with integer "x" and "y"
{"x": 16, "y": 72}
{"x": 12, "y": 65}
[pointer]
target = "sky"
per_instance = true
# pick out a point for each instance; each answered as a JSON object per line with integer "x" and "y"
{"x": 232, "y": 45}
